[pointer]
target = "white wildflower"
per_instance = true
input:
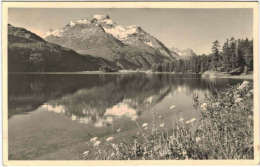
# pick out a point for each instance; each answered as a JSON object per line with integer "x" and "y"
{"x": 198, "y": 139}
{"x": 162, "y": 125}
{"x": 113, "y": 145}
{"x": 172, "y": 107}
{"x": 145, "y": 125}
{"x": 109, "y": 119}
{"x": 73, "y": 117}
{"x": 238, "y": 100}
{"x": 86, "y": 152}
{"x": 134, "y": 118}
{"x": 251, "y": 91}
{"x": 110, "y": 139}
{"x": 113, "y": 154}
{"x": 204, "y": 106}
{"x": 97, "y": 143}
{"x": 171, "y": 137}
{"x": 118, "y": 130}
{"x": 93, "y": 139}
{"x": 243, "y": 85}
{"x": 190, "y": 121}
{"x": 181, "y": 119}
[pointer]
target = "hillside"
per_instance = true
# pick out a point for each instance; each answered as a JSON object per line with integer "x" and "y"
{"x": 28, "y": 52}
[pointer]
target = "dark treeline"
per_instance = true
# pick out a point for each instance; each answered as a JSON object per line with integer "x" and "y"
{"x": 235, "y": 56}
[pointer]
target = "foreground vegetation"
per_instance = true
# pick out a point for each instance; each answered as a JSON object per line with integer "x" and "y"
{"x": 224, "y": 131}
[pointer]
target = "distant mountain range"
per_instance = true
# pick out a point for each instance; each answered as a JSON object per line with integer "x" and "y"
{"x": 87, "y": 45}
{"x": 129, "y": 47}
{"x": 183, "y": 54}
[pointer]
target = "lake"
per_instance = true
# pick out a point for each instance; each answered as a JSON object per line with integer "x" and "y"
{"x": 53, "y": 116}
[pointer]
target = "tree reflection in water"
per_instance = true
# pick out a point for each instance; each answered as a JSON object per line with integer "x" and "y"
{"x": 100, "y": 99}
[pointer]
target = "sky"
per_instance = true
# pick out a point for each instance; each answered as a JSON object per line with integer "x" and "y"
{"x": 181, "y": 28}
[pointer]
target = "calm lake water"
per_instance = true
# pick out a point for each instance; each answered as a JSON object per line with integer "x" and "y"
{"x": 55, "y": 116}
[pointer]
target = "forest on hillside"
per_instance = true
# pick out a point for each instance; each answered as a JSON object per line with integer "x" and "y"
{"x": 234, "y": 57}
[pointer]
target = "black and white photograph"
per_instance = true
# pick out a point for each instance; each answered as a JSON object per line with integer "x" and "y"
{"x": 131, "y": 83}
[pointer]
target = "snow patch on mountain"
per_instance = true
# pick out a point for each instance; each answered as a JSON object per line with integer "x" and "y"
{"x": 149, "y": 43}
{"x": 56, "y": 33}
{"x": 100, "y": 17}
{"x": 83, "y": 21}
{"x": 108, "y": 21}
{"x": 72, "y": 23}
{"x": 121, "y": 32}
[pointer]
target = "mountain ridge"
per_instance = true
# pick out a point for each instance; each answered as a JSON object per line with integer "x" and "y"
{"x": 129, "y": 47}
{"x": 183, "y": 53}
{"x": 27, "y": 52}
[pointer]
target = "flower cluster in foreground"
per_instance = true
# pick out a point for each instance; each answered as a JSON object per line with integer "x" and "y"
{"x": 224, "y": 131}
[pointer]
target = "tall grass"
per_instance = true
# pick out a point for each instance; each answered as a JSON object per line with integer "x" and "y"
{"x": 224, "y": 131}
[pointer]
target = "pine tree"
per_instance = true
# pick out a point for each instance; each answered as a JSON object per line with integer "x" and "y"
{"x": 215, "y": 55}
{"x": 233, "y": 53}
{"x": 226, "y": 56}
{"x": 248, "y": 55}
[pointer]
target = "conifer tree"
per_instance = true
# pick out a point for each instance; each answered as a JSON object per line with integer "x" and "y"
{"x": 215, "y": 55}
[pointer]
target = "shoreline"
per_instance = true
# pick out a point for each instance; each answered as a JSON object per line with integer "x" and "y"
{"x": 205, "y": 75}
{"x": 248, "y": 77}
{"x": 214, "y": 75}
{"x": 101, "y": 72}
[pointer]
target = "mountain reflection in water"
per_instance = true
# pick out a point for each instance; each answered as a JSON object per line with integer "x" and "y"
{"x": 101, "y": 99}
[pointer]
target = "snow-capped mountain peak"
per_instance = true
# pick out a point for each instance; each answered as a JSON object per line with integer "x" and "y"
{"x": 118, "y": 31}
{"x": 93, "y": 29}
{"x": 121, "y": 32}
{"x": 56, "y": 33}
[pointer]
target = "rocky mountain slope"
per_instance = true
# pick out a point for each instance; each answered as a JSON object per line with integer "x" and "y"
{"x": 183, "y": 54}
{"x": 28, "y": 52}
{"x": 129, "y": 47}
